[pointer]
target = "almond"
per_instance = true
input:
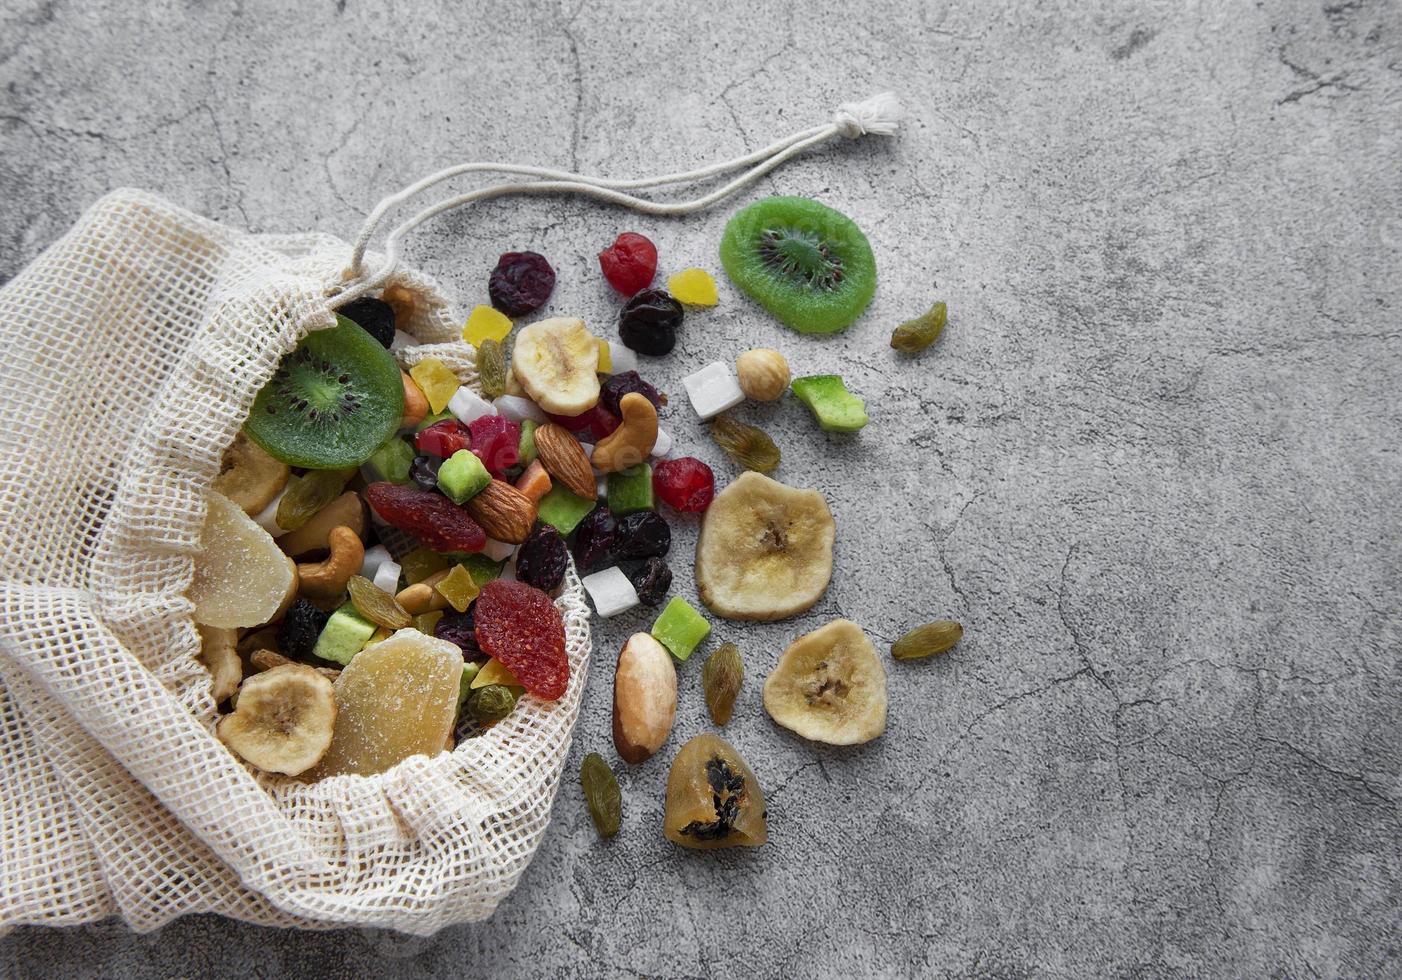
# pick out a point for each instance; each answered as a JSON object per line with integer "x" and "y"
{"x": 644, "y": 698}
{"x": 564, "y": 459}
{"x": 504, "y": 512}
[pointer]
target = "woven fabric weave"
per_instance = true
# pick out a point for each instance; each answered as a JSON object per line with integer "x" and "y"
{"x": 133, "y": 348}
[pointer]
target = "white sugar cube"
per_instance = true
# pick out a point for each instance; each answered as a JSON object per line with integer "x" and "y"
{"x": 713, "y": 389}
{"x": 497, "y": 550}
{"x": 401, "y": 341}
{"x": 518, "y": 409}
{"x": 601, "y": 486}
{"x": 663, "y": 445}
{"x": 374, "y": 558}
{"x": 611, "y": 591}
{"x": 621, "y": 359}
{"x": 468, "y": 406}
{"x": 267, "y": 517}
{"x": 387, "y": 577}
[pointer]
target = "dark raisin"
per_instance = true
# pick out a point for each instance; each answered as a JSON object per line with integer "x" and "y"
{"x": 594, "y": 540}
{"x": 424, "y": 471}
{"x": 648, "y": 322}
{"x": 521, "y": 283}
{"x": 300, "y": 628}
{"x": 642, "y": 535}
{"x": 376, "y": 317}
{"x": 460, "y": 628}
{"x": 613, "y": 390}
{"x": 542, "y": 559}
{"x": 651, "y": 580}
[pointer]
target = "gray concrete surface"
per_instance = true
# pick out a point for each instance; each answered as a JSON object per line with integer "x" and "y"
{"x": 1152, "y": 466}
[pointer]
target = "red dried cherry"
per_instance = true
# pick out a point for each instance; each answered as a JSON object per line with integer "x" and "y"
{"x": 437, "y": 522}
{"x": 685, "y": 483}
{"x": 519, "y": 626}
{"x": 629, "y": 263}
{"x": 497, "y": 442}
{"x": 444, "y": 438}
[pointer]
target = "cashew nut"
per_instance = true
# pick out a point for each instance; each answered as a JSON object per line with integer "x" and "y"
{"x": 327, "y": 579}
{"x": 632, "y": 442}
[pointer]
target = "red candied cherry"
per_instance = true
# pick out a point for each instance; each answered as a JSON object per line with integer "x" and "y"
{"x": 629, "y": 263}
{"x": 444, "y": 438}
{"x": 497, "y": 442}
{"x": 685, "y": 483}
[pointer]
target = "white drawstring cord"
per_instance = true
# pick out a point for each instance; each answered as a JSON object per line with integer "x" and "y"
{"x": 879, "y": 115}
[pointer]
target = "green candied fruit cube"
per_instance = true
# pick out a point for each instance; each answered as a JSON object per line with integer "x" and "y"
{"x": 469, "y": 674}
{"x": 563, "y": 510}
{"x": 680, "y": 628}
{"x": 344, "y": 635}
{"x": 463, "y": 476}
{"x": 481, "y": 568}
{"x": 630, "y": 490}
{"x": 525, "y": 449}
{"x": 835, "y": 408}
{"x": 392, "y": 460}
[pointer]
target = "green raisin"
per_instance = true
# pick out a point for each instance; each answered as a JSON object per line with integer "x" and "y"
{"x": 307, "y": 494}
{"x": 721, "y": 676}
{"x": 491, "y": 703}
{"x": 601, "y": 794}
{"x": 748, "y": 446}
{"x": 491, "y": 368}
{"x": 377, "y": 605}
{"x": 928, "y": 640}
{"x": 913, "y": 336}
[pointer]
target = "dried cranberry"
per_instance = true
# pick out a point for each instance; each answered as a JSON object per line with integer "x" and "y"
{"x": 444, "y": 438}
{"x": 542, "y": 559}
{"x": 651, "y": 580}
{"x": 437, "y": 522}
{"x": 642, "y": 535}
{"x": 629, "y": 263}
{"x": 459, "y": 628}
{"x": 594, "y": 540}
{"x": 521, "y": 283}
{"x": 613, "y": 390}
{"x": 375, "y": 316}
{"x": 497, "y": 442}
{"x": 598, "y": 422}
{"x": 648, "y": 322}
{"x": 685, "y": 483}
{"x": 424, "y": 471}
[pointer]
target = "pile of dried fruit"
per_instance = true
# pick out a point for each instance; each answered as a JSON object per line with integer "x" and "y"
{"x": 383, "y": 544}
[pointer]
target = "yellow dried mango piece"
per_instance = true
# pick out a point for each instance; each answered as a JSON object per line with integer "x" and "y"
{"x": 694, "y": 287}
{"x": 436, "y": 380}
{"x": 458, "y": 588}
{"x": 605, "y": 358}
{"x": 420, "y": 563}
{"x": 493, "y": 672}
{"x": 425, "y": 622}
{"x": 486, "y": 323}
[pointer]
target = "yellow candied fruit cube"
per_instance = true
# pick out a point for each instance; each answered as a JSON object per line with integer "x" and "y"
{"x": 486, "y": 323}
{"x": 420, "y": 563}
{"x": 605, "y": 358}
{"x": 425, "y": 622}
{"x": 458, "y": 588}
{"x": 379, "y": 636}
{"x": 436, "y": 380}
{"x": 493, "y": 672}
{"x": 694, "y": 287}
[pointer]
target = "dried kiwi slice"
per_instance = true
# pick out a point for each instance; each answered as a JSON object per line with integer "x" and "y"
{"x": 332, "y": 402}
{"x": 808, "y": 265}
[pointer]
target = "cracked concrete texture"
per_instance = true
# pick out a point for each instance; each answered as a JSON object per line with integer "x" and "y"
{"x": 1152, "y": 466}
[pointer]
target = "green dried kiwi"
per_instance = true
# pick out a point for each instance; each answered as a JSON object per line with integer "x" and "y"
{"x": 491, "y": 368}
{"x": 913, "y": 336}
{"x": 331, "y": 402}
{"x": 377, "y": 605}
{"x": 307, "y": 494}
{"x": 748, "y": 446}
{"x": 601, "y": 794}
{"x": 928, "y": 640}
{"x": 808, "y": 265}
{"x": 721, "y": 677}
{"x": 490, "y": 704}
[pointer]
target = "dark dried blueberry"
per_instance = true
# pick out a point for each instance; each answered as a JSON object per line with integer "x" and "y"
{"x": 300, "y": 628}
{"x": 375, "y": 316}
{"x": 424, "y": 471}
{"x": 649, "y": 321}
{"x": 460, "y": 629}
{"x": 613, "y": 390}
{"x": 594, "y": 540}
{"x": 521, "y": 283}
{"x": 642, "y": 535}
{"x": 651, "y": 580}
{"x": 543, "y": 559}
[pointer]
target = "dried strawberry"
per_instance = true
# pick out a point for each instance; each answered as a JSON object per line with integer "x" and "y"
{"x": 518, "y": 625}
{"x": 444, "y": 438}
{"x": 438, "y": 523}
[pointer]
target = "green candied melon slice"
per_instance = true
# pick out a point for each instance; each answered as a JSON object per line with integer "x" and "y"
{"x": 835, "y": 408}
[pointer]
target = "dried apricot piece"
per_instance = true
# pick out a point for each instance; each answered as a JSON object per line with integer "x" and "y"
{"x": 519, "y": 626}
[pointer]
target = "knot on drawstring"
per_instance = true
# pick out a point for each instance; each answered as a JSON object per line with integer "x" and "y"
{"x": 880, "y": 114}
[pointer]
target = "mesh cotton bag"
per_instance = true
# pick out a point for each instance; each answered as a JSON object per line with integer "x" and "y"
{"x": 134, "y": 347}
